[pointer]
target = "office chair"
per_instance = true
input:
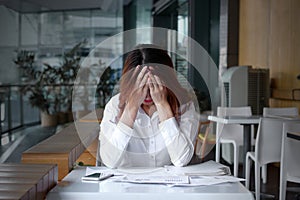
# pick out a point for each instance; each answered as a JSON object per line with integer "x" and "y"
{"x": 290, "y": 160}
{"x": 286, "y": 111}
{"x": 267, "y": 149}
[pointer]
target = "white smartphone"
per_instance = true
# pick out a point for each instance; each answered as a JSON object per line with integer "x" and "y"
{"x": 96, "y": 177}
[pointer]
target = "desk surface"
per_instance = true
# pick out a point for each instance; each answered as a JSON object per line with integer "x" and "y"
{"x": 253, "y": 119}
{"x": 73, "y": 188}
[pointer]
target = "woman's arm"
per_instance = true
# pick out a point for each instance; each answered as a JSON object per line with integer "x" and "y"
{"x": 179, "y": 137}
{"x": 136, "y": 97}
{"x": 114, "y": 135}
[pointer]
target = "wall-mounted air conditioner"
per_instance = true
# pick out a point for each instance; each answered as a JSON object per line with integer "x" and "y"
{"x": 246, "y": 86}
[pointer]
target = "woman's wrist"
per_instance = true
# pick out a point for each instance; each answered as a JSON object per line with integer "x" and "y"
{"x": 129, "y": 115}
{"x": 164, "y": 111}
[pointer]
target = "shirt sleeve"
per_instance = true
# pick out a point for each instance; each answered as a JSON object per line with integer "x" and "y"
{"x": 114, "y": 136}
{"x": 179, "y": 137}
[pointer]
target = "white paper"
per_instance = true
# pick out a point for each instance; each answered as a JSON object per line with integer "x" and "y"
{"x": 209, "y": 180}
{"x": 156, "y": 179}
{"x": 209, "y": 168}
{"x": 208, "y": 173}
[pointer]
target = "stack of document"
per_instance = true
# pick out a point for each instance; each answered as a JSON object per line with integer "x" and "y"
{"x": 210, "y": 180}
{"x": 166, "y": 179}
{"x": 209, "y": 168}
{"x": 207, "y": 173}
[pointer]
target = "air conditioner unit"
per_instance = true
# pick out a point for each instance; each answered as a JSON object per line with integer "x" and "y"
{"x": 246, "y": 86}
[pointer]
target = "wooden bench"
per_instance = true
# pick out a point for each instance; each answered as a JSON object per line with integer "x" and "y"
{"x": 65, "y": 147}
{"x": 26, "y": 181}
{"x": 88, "y": 157}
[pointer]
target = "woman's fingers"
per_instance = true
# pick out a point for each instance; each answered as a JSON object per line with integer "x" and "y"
{"x": 136, "y": 71}
{"x": 150, "y": 84}
{"x": 141, "y": 75}
{"x": 159, "y": 82}
{"x": 144, "y": 80}
{"x": 155, "y": 82}
{"x": 141, "y": 86}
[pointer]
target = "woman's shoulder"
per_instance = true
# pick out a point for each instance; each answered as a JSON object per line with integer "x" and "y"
{"x": 115, "y": 98}
{"x": 113, "y": 102}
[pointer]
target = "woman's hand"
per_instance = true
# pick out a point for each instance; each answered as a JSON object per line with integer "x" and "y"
{"x": 158, "y": 91}
{"x": 159, "y": 95}
{"x": 140, "y": 89}
{"x": 136, "y": 97}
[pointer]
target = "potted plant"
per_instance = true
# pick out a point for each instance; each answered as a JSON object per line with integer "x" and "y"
{"x": 65, "y": 76}
{"x": 50, "y": 88}
{"x": 43, "y": 94}
{"x": 39, "y": 96}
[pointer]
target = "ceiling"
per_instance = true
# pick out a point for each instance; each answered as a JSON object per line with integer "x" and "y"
{"x": 37, "y": 6}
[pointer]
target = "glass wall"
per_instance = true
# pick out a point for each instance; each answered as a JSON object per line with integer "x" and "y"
{"x": 48, "y": 35}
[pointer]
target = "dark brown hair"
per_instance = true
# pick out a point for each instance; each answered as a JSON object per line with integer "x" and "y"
{"x": 150, "y": 55}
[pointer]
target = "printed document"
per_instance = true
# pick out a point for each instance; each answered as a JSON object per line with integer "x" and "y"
{"x": 208, "y": 173}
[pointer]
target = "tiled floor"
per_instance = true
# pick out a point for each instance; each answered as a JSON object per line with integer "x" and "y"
{"x": 272, "y": 185}
{"x": 27, "y": 137}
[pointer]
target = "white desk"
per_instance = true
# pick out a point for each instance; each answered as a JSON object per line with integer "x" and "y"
{"x": 71, "y": 187}
{"x": 246, "y": 122}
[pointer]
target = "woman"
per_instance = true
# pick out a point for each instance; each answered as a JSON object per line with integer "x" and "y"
{"x": 152, "y": 122}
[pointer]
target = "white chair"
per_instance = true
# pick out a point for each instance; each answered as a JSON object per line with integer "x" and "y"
{"x": 286, "y": 111}
{"x": 230, "y": 133}
{"x": 290, "y": 160}
{"x": 267, "y": 149}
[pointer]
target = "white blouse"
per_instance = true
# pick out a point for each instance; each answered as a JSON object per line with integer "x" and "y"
{"x": 150, "y": 143}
